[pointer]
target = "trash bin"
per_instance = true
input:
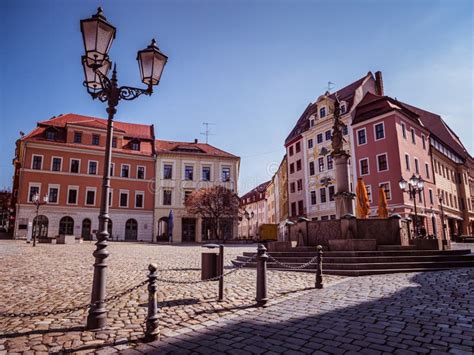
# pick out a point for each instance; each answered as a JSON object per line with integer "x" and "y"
{"x": 209, "y": 267}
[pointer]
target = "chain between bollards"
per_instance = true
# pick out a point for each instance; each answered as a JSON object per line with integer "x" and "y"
{"x": 262, "y": 258}
{"x": 152, "y": 331}
{"x": 319, "y": 267}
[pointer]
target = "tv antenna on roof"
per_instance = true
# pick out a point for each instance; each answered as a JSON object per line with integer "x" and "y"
{"x": 207, "y": 132}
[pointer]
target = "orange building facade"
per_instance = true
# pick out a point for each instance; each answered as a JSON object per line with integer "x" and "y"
{"x": 63, "y": 158}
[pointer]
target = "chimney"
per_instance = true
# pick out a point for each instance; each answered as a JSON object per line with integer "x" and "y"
{"x": 195, "y": 140}
{"x": 379, "y": 83}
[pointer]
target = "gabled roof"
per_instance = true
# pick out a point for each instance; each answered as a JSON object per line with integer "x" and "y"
{"x": 173, "y": 147}
{"x": 254, "y": 194}
{"x": 345, "y": 94}
{"x": 374, "y": 105}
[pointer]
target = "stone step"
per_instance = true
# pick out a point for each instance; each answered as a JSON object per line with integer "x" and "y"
{"x": 367, "y": 253}
{"x": 372, "y": 259}
{"x": 396, "y": 247}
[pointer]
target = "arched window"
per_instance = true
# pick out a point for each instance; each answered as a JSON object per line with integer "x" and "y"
{"x": 40, "y": 226}
{"x": 131, "y": 228}
{"x": 66, "y": 226}
{"x": 322, "y": 112}
{"x": 86, "y": 229}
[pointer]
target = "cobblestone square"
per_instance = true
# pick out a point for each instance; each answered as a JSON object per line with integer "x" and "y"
{"x": 50, "y": 277}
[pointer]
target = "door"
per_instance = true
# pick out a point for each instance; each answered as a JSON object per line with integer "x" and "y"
{"x": 86, "y": 229}
{"x": 131, "y": 228}
{"x": 188, "y": 229}
{"x": 40, "y": 226}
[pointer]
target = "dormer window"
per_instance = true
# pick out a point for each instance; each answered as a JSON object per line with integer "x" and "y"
{"x": 114, "y": 142}
{"x": 77, "y": 137}
{"x": 51, "y": 134}
{"x": 322, "y": 112}
{"x": 135, "y": 145}
{"x": 343, "y": 108}
{"x": 95, "y": 139}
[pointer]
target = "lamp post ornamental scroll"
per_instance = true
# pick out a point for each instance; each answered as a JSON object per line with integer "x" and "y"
{"x": 98, "y": 35}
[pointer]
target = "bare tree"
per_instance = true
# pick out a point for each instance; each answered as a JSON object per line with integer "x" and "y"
{"x": 216, "y": 203}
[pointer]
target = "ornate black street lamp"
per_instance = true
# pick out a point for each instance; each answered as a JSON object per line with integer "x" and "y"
{"x": 37, "y": 201}
{"x": 248, "y": 216}
{"x": 413, "y": 187}
{"x": 98, "y": 35}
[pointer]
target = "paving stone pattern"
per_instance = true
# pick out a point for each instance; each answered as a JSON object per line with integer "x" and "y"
{"x": 50, "y": 277}
{"x": 399, "y": 313}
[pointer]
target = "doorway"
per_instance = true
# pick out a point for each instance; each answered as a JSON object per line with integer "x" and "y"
{"x": 131, "y": 229}
{"x": 86, "y": 229}
{"x": 188, "y": 229}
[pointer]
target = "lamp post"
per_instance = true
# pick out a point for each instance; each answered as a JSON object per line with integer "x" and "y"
{"x": 37, "y": 201}
{"x": 413, "y": 187}
{"x": 443, "y": 225}
{"x": 248, "y": 216}
{"x": 433, "y": 222}
{"x": 98, "y": 35}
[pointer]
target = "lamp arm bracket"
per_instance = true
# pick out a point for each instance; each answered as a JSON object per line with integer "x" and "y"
{"x": 130, "y": 93}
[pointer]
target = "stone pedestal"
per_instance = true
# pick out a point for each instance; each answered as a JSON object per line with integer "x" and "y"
{"x": 343, "y": 195}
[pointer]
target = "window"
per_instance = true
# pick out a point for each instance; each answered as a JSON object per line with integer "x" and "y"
{"x": 364, "y": 166}
{"x": 187, "y": 194}
{"x": 322, "y": 112}
{"x": 324, "y": 218}
{"x": 75, "y": 166}
{"x": 310, "y": 143}
{"x": 167, "y": 171}
{"x": 298, "y": 165}
{"x": 407, "y": 161}
{"x": 319, "y": 138}
{"x": 95, "y": 139}
{"x": 225, "y": 174}
{"x": 423, "y": 141}
{"x": 343, "y": 109}
{"x": 297, "y": 147}
{"x": 140, "y": 172}
{"x": 311, "y": 168}
{"x": 293, "y": 208}
{"x": 291, "y": 151}
{"x": 112, "y": 169}
{"x": 382, "y": 163}
{"x": 92, "y": 167}
{"x": 188, "y": 172}
{"x": 77, "y": 137}
{"x": 413, "y": 140}
{"x": 51, "y": 134}
{"x": 322, "y": 194}
{"x": 66, "y": 225}
{"x": 90, "y": 196}
{"x": 167, "y": 197}
{"x": 300, "y": 207}
{"x": 135, "y": 145}
{"x": 300, "y": 184}
{"x": 34, "y": 190}
{"x": 321, "y": 164}
{"x": 206, "y": 173}
{"x": 53, "y": 194}
{"x": 125, "y": 171}
{"x": 110, "y": 197}
{"x": 313, "y": 197}
{"x": 56, "y": 164}
{"x": 361, "y": 137}
{"x": 123, "y": 201}
{"x": 292, "y": 187}
{"x": 330, "y": 162}
{"x": 139, "y": 197}
{"x": 430, "y": 193}
{"x": 292, "y": 168}
{"x": 462, "y": 207}
{"x": 114, "y": 142}
{"x": 417, "y": 167}
{"x": 427, "y": 171}
{"x": 404, "y": 131}
{"x": 345, "y": 130}
{"x": 379, "y": 131}
{"x": 386, "y": 187}
{"x": 369, "y": 192}
{"x": 331, "y": 193}
{"x": 72, "y": 195}
{"x": 327, "y": 135}
{"x": 37, "y": 162}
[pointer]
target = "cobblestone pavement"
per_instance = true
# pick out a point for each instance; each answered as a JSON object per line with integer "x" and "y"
{"x": 419, "y": 313}
{"x": 50, "y": 277}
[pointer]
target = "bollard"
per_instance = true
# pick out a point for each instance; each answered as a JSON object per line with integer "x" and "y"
{"x": 262, "y": 258}
{"x": 319, "y": 267}
{"x": 221, "y": 273}
{"x": 152, "y": 332}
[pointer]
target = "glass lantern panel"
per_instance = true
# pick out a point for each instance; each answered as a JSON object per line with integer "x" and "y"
{"x": 104, "y": 38}
{"x": 146, "y": 66}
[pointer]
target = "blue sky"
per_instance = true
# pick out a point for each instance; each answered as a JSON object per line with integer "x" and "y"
{"x": 249, "y": 67}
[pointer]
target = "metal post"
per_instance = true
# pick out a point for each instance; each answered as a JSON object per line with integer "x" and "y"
{"x": 443, "y": 225}
{"x": 262, "y": 258}
{"x": 97, "y": 317}
{"x": 35, "y": 225}
{"x": 152, "y": 331}
{"x": 319, "y": 268}
{"x": 413, "y": 194}
{"x": 221, "y": 272}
